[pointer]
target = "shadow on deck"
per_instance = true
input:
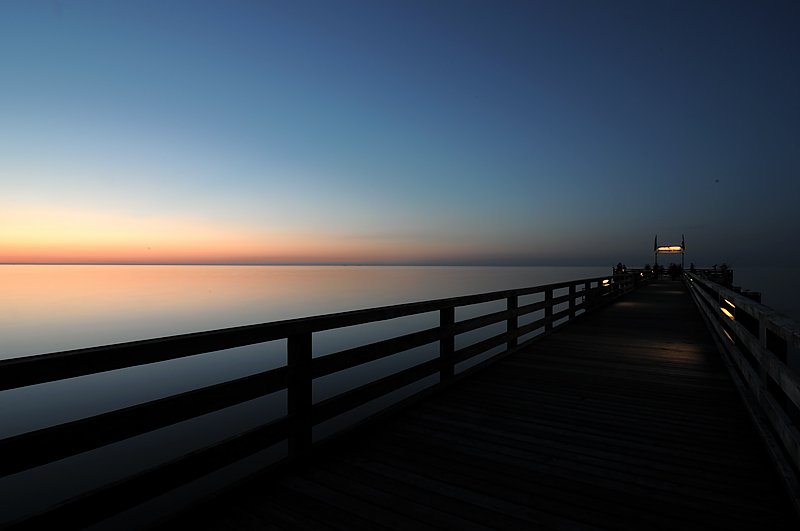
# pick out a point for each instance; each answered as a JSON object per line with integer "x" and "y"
{"x": 627, "y": 419}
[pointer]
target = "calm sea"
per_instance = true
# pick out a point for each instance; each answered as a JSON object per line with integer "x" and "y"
{"x": 48, "y": 308}
{"x": 779, "y": 287}
{"x": 54, "y": 308}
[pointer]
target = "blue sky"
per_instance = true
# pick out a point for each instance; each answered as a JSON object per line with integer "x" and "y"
{"x": 545, "y": 133}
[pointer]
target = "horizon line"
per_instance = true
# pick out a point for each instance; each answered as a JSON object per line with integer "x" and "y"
{"x": 277, "y": 264}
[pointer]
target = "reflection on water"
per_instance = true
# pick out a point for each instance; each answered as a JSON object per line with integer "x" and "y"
{"x": 337, "y": 339}
{"x": 34, "y": 489}
{"x": 51, "y": 308}
{"x": 43, "y": 405}
{"x": 54, "y": 308}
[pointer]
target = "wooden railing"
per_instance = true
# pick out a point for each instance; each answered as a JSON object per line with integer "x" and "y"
{"x": 45, "y": 446}
{"x": 759, "y": 343}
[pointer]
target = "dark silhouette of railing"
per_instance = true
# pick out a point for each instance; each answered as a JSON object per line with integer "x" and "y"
{"x": 758, "y": 343}
{"x": 42, "y": 446}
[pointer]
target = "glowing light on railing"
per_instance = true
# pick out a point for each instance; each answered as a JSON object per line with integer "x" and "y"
{"x": 670, "y": 249}
{"x": 728, "y": 335}
{"x": 726, "y": 312}
{"x": 729, "y": 303}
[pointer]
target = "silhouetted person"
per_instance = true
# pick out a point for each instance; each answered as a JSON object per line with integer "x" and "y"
{"x": 674, "y": 271}
{"x": 726, "y": 274}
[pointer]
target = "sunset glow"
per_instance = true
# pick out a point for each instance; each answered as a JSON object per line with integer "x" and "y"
{"x": 52, "y": 236}
{"x": 210, "y": 132}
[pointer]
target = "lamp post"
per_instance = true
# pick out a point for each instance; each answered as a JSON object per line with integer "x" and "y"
{"x": 670, "y": 249}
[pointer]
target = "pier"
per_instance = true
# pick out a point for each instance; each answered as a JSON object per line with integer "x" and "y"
{"x": 619, "y": 402}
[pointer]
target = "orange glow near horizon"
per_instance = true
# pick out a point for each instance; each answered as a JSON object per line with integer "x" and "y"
{"x": 80, "y": 237}
{"x": 51, "y": 236}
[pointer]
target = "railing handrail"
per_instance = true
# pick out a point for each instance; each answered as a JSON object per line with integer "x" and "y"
{"x": 768, "y": 319}
{"x": 35, "y": 448}
{"x": 777, "y": 322}
{"x": 757, "y": 340}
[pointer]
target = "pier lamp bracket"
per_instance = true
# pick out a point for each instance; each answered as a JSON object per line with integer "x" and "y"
{"x": 669, "y": 249}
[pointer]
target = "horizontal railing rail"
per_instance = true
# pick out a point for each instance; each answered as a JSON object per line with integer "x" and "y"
{"x": 41, "y": 447}
{"x": 759, "y": 343}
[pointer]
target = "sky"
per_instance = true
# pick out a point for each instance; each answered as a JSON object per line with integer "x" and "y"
{"x": 403, "y": 132}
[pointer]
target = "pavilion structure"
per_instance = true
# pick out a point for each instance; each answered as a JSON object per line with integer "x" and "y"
{"x": 669, "y": 249}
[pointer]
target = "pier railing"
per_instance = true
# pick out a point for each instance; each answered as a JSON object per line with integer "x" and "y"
{"x": 759, "y": 343}
{"x": 559, "y": 303}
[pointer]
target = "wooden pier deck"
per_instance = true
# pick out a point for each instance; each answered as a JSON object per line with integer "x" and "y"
{"x": 626, "y": 419}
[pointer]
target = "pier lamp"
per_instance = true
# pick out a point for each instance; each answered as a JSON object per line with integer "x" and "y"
{"x": 669, "y": 249}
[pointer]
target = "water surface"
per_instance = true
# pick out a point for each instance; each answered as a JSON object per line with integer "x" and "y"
{"x": 55, "y": 308}
{"x": 50, "y": 308}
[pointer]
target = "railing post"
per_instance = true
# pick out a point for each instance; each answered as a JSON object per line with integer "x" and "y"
{"x": 298, "y": 354}
{"x": 762, "y": 369}
{"x": 587, "y": 296}
{"x": 447, "y": 344}
{"x": 548, "y": 309}
{"x": 762, "y": 330}
{"x": 572, "y": 301}
{"x": 511, "y": 323}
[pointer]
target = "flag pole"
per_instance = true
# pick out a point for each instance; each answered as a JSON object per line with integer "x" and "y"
{"x": 655, "y": 252}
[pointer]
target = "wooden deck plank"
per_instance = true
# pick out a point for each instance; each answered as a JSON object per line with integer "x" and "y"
{"x": 625, "y": 419}
{"x": 576, "y": 472}
{"x": 556, "y": 487}
{"x": 446, "y": 502}
{"x": 604, "y": 461}
{"x": 383, "y": 495}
